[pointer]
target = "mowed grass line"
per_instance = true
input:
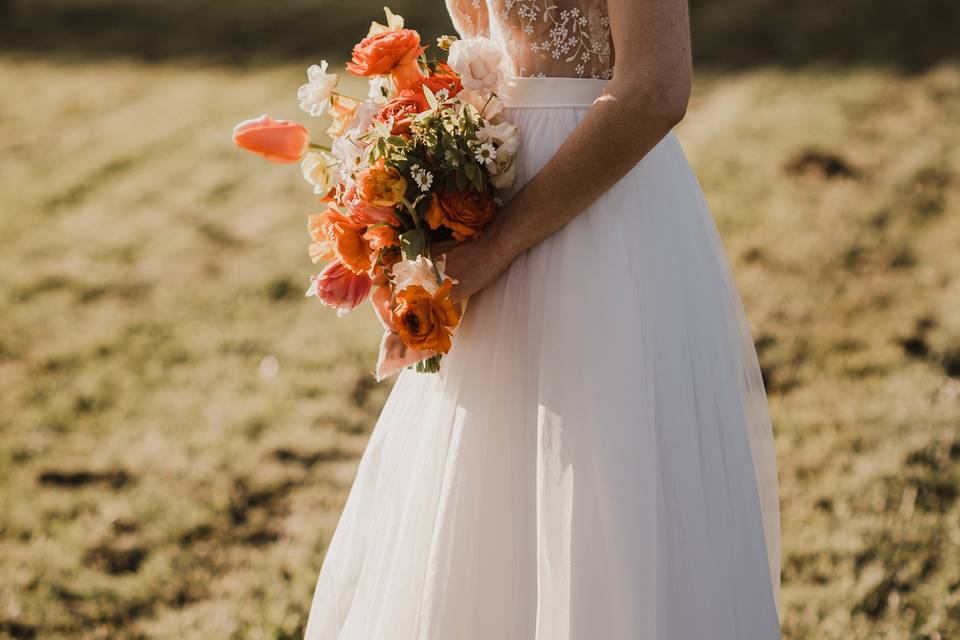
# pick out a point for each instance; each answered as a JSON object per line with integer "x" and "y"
{"x": 157, "y": 484}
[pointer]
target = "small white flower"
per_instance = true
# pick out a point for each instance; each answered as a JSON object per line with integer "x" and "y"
{"x": 443, "y": 94}
{"x": 451, "y": 159}
{"x": 320, "y": 170}
{"x": 421, "y": 272}
{"x": 421, "y": 176}
{"x": 350, "y": 153}
{"x": 378, "y": 89}
{"x": 485, "y": 153}
{"x": 315, "y": 95}
{"x": 478, "y": 61}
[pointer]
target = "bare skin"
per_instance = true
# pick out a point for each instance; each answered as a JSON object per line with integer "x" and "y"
{"x": 646, "y": 98}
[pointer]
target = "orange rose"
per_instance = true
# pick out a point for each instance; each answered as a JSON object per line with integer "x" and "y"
{"x": 463, "y": 212}
{"x": 381, "y": 185}
{"x": 381, "y": 236}
{"x": 399, "y": 111}
{"x": 381, "y": 53}
{"x": 334, "y": 235}
{"x": 426, "y": 322}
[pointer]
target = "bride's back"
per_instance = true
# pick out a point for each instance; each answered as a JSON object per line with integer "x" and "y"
{"x": 559, "y": 38}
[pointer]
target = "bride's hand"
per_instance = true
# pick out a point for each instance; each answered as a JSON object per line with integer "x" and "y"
{"x": 474, "y": 264}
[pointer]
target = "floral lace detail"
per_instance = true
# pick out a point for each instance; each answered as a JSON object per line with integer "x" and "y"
{"x": 577, "y": 36}
{"x": 565, "y": 38}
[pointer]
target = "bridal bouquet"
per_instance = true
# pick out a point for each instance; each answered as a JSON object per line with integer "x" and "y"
{"x": 417, "y": 162}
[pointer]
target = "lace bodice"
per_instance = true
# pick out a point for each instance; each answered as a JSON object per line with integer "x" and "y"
{"x": 560, "y": 38}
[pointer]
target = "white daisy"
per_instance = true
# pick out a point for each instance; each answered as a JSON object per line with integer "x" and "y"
{"x": 421, "y": 176}
{"x": 485, "y": 153}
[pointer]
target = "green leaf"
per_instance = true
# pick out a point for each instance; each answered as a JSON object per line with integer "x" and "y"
{"x": 413, "y": 243}
{"x": 477, "y": 180}
{"x": 471, "y": 170}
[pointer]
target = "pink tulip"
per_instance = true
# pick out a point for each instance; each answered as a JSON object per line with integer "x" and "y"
{"x": 364, "y": 214}
{"x": 339, "y": 288}
{"x": 276, "y": 140}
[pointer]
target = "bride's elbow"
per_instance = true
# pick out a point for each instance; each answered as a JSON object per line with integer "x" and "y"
{"x": 659, "y": 101}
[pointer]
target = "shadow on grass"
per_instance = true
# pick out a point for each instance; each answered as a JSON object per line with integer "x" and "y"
{"x": 728, "y": 34}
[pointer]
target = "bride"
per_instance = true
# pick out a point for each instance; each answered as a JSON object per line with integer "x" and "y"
{"x": 595, "y": 459}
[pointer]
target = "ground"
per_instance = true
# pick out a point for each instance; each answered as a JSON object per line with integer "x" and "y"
{"x": 179, "y": 427}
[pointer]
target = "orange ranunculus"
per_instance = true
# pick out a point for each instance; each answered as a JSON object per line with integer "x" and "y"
{"x": 381, "y": 236}
{"x": 336, "y": 235}
{"x": 275, "y": 140}
{"x": 381, "y": 53}
{"x": 363, "y": 213}
{"x": 463, "y": 212}
{"x": 426, "y": 322}
{"x": 399, "y": 112}
{"x": 381, "y": 185}
{"x": 339, "y": 287}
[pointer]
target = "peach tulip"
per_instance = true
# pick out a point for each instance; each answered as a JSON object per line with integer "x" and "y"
{"x": 339, "y": 288}
{"x": 276, "y": 140}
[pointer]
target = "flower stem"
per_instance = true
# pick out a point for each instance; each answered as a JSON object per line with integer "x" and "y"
{"x": 413, "y": 212}
{"x": 430, "y": 365}
{"x": 314, "y": 145}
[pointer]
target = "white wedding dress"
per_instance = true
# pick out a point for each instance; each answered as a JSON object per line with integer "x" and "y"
{"x": 595, "y": 459}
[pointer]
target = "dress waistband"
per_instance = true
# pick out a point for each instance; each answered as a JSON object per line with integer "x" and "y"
{"x": 533, "y": 93}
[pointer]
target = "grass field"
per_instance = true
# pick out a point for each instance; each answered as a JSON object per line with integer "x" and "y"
{"x": 179, "y": 426}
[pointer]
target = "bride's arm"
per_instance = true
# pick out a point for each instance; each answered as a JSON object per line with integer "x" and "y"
{"x": 647, "y": 96}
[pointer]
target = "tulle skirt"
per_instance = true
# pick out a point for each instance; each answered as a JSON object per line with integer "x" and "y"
{"x": 595, "y": 459}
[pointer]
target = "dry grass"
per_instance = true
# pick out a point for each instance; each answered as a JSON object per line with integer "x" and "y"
{"x": 157, "y": 484}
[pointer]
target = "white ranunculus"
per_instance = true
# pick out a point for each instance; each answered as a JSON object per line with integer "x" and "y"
{"x": 421, "y": 271}
{"x": 320, "y": 170}
{"x": 487, "y": 105}
{"x": 479, "y": 62}
{"x": 315, "y": 95}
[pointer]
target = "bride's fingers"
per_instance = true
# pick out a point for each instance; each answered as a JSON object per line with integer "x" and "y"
{"x": 440, "y": 248}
